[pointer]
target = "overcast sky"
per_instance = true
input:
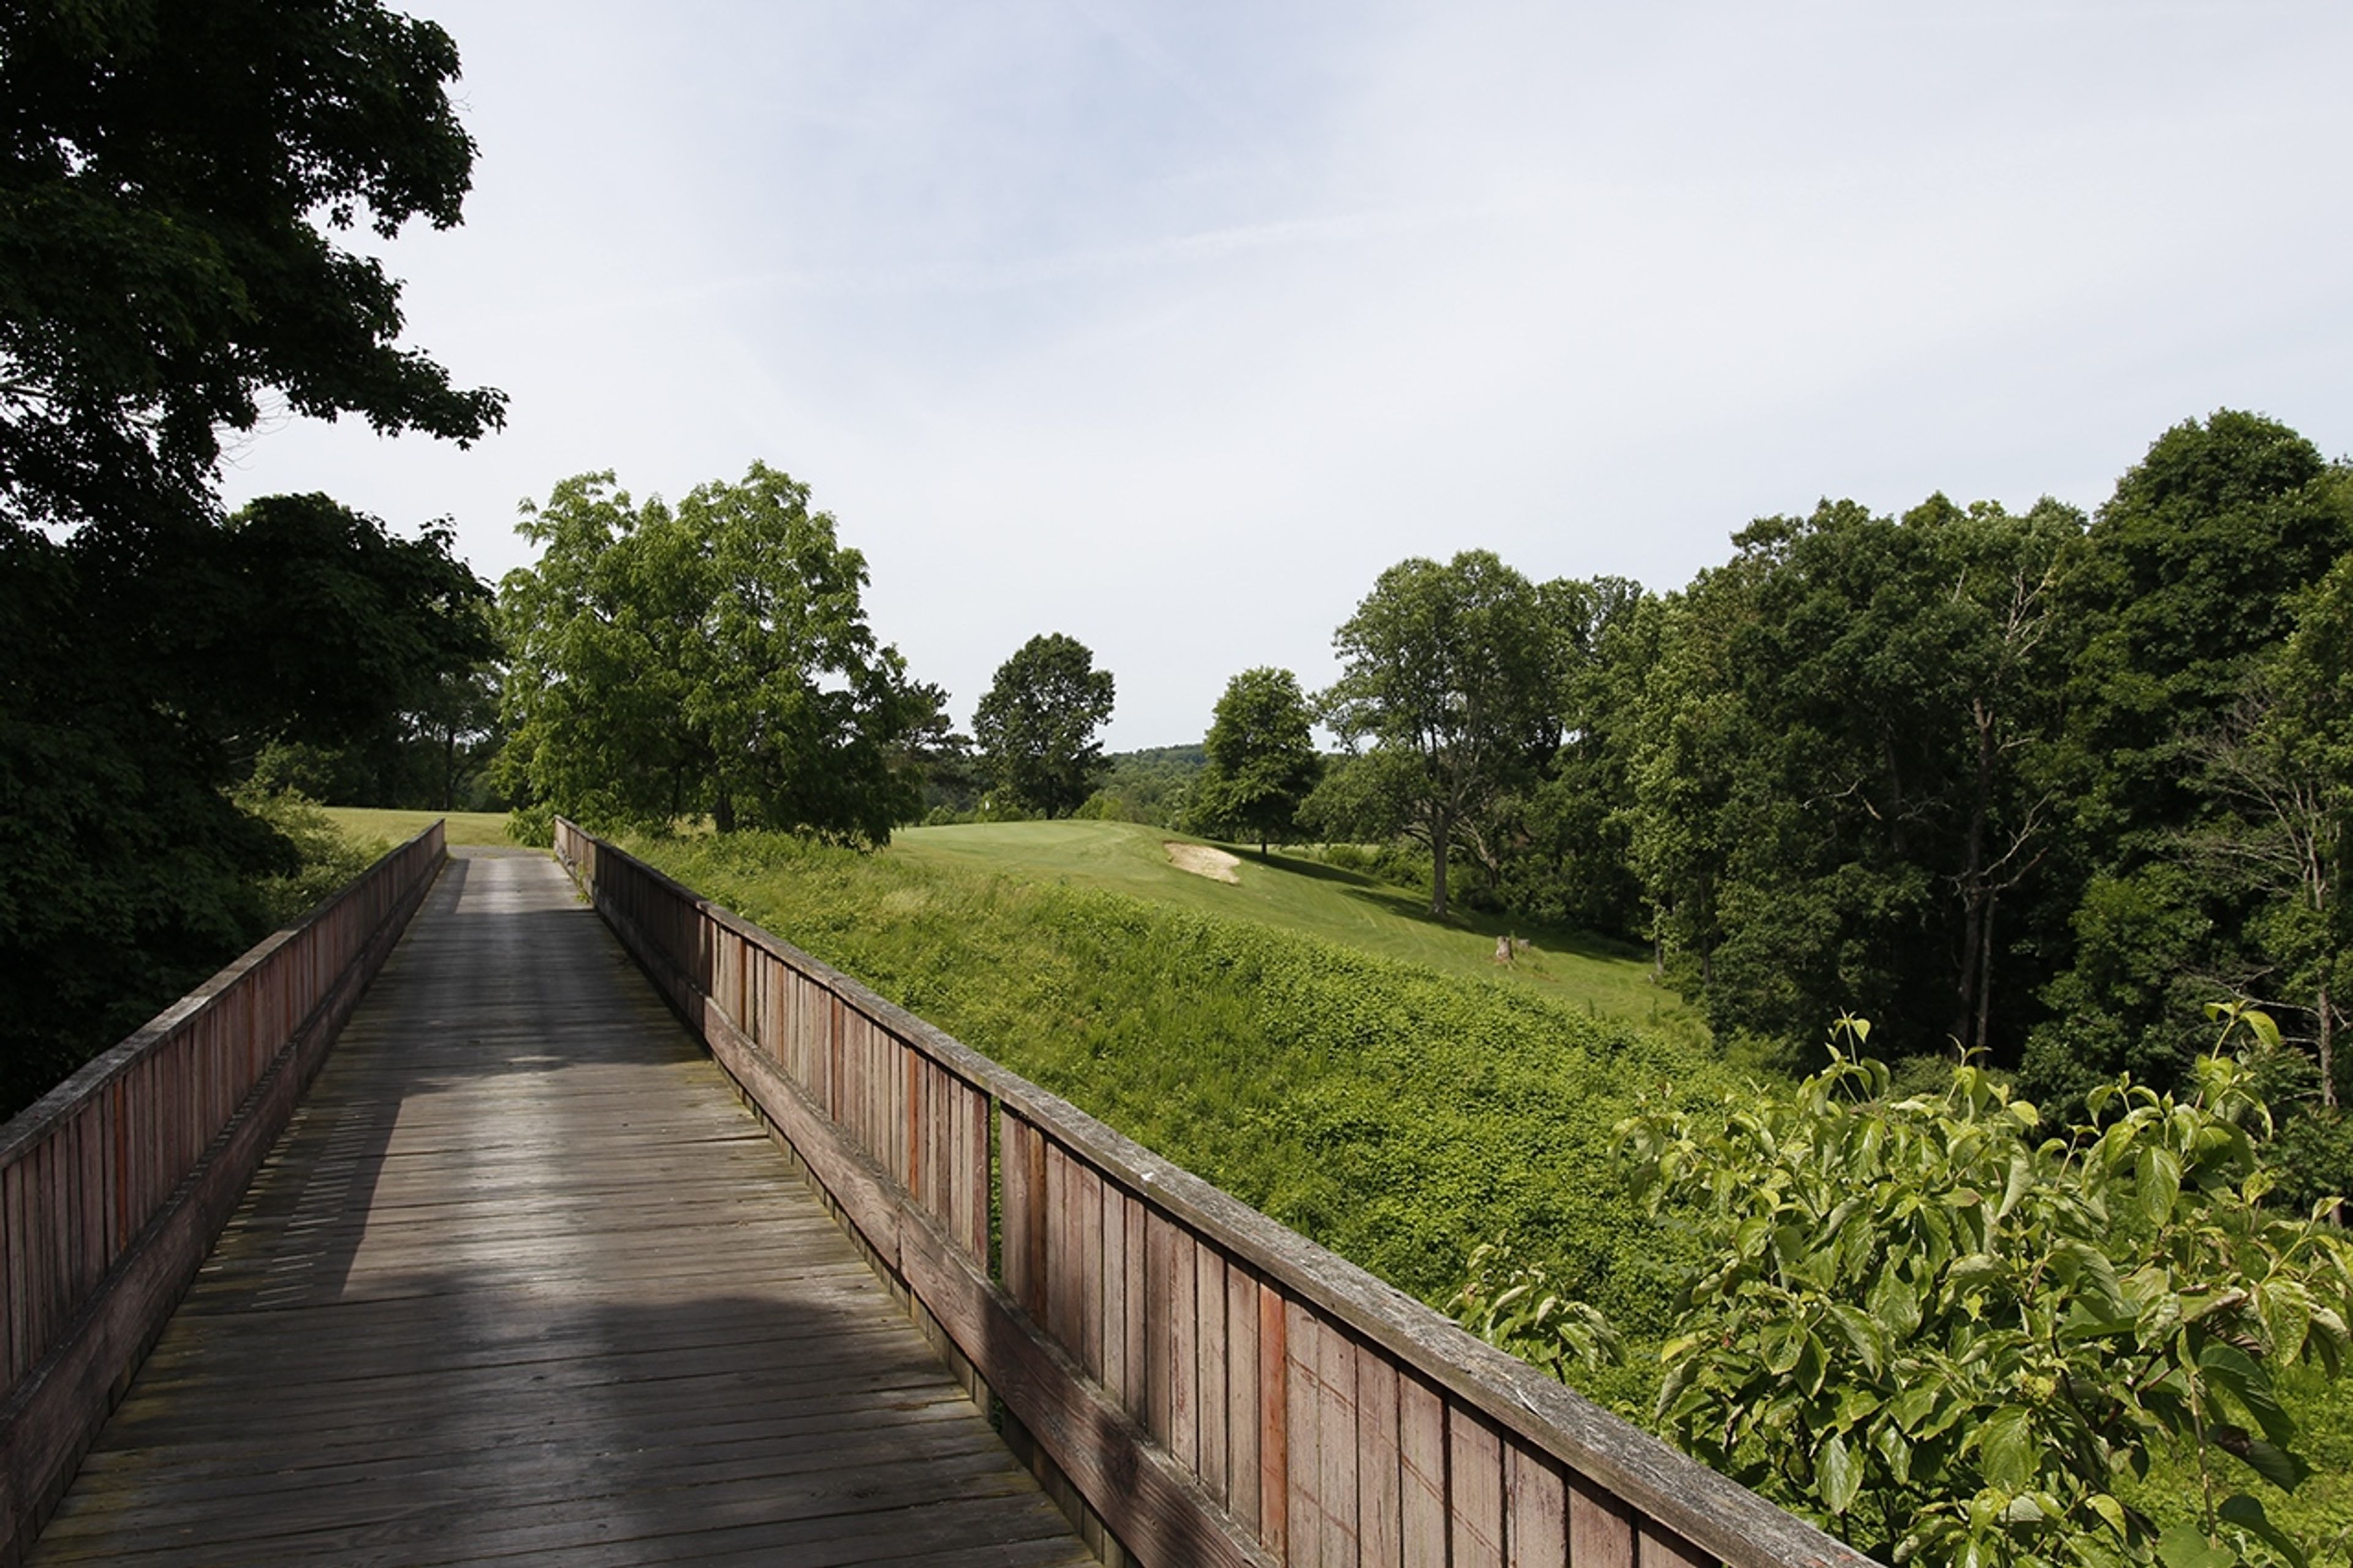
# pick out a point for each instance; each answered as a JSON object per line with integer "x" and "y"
{"x": 1170, "y": 327}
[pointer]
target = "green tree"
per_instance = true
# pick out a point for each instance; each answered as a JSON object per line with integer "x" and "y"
{"x": 2188, "y": 583}
{"x": 170, "y": 180}
{"x": 711, "y": 658}
{"x": 1841, "y": 779}
{"x": 1035, "y": 725}
{"x": 1261, "y": 758}
{"x": 2281, "y": 769}
{"x": 133, "y": 692}
{"x": 1447, "y": 672}
{"x": 1569, "y": 860}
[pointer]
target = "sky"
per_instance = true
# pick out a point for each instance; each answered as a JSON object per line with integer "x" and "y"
{"x": 1170, "y": 327}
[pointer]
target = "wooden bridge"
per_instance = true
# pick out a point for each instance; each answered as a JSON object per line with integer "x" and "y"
{"x": 519, "y": 1279}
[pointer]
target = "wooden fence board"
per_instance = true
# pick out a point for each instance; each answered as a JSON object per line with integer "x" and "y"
{"x": 1538, "y": 1521}
{"x": 1474, "y": 1462}
{"x": 1600, "y": 1535}
{"x": 1380, "y": 1465}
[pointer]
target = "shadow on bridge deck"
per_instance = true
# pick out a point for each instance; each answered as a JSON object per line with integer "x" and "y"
{"x": 522, "y": 1282}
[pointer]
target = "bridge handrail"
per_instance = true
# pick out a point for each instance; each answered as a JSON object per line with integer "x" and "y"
{"x": 115, "y": 1185}
{"x": 1217, "y": 1388}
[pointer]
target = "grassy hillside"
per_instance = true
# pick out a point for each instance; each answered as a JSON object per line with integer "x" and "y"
{"x": 1398, "y": 1113}
{"x": 368, "y": 823}
{"x": 1312, "y": 899}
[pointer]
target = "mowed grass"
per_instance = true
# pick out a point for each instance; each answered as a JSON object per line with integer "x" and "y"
{"x": 1297, "y": 894}
{"x": 364, "y": 824}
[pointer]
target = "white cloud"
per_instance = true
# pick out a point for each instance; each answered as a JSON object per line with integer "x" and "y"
{"x": 1171, "y": 327}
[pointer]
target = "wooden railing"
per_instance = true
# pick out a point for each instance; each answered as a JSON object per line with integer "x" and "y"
{"x": 1211, "y": 1387}
{"x": 115, "y": 1185}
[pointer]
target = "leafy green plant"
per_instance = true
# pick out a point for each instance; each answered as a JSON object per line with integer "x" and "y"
{"x": 1512, "y": 1304}
{"x": 1950, "y": 1337}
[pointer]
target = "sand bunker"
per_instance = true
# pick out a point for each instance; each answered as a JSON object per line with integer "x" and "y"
{"x": 1203, "y": 861}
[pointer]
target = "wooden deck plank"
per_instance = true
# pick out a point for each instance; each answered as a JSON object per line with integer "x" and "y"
{"x": 523, "y": 1283}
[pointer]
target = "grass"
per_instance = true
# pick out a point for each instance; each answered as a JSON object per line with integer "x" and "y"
{"x": 1397, "y": 1112}
{"x": 1296, "y": 894}
{"x": 366, "y": 824}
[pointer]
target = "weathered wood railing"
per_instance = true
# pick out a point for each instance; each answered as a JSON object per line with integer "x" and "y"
{"x": 115, "y": 1185}
{"x": 1211, "y": 1387}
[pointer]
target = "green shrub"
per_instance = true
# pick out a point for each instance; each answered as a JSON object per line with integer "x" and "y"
{"x": 1955, "y": 1340}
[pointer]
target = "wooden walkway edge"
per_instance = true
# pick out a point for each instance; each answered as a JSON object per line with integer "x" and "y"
{"x": 524, "y": 1284}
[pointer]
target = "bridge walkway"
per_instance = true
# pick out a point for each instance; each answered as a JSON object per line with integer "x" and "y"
{"x": 523, "y": 1284}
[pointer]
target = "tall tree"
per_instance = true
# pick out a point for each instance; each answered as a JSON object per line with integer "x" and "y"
{"x": 1839, "y": 777}
{"x": 171, "y": 177}
{"x": 2282, "y": 765}
{"x": 1036, "y": 724}
{"x": 2188, "y": 581}
{"x": 1262, "y": 757}
{"x": 1447, "y": 671}
{"x": 711, "y": 658}
{"x": 1568, "y": 861}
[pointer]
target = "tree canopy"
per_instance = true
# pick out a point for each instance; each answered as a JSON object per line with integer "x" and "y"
{"x": 1036, "y": 724}
{"x": 2024, "y": 783}
{"x": 1448, "y": 673}
{"x": 1261, "y": 757}
{"x": 171, "y": 177}
{"x": 711, "y": 658}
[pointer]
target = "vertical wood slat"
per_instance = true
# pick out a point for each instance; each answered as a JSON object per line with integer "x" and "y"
{"x": 1062, "y": 1250}
{"x": 1135, "y": 1233}
{"x": 1379, "y": 1520}
{"x": 1302, "y": 1507}
{"x": 1210, "y": 1354}
{"x": 1117, "y": 1380}
{"x": 1023, "y": 1184}
{"x": 1159, "y": 1291}
{"x": 1184, "y": 1359}
{"x": 1474, "y": 1457}
{"x": 1241, "y": 1395}
{"x": 1537, "y": 1522}
{"x": 1088, "y": 1198}
{"x": 1274, "y": 1421}
{"x": 1337, "y": 1442}
{"x": 1601, "y": 1534}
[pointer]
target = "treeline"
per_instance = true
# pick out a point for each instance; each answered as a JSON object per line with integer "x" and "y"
{"x": 2033, "y": 783}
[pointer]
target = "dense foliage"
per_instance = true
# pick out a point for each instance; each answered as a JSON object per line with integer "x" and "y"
{"x": 171, "y": 177}
{"x": 1035, "y": 727}
{"x": 2030, "y": 783}
{"x": 714, "y": 658}
{"x": 1956, "y": 1337}
{"x": 1262, "y": 759}
{"x": 1447, "y": 679}
{"x": 164, "y": 173}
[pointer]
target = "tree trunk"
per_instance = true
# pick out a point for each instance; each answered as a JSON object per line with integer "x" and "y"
{"x": 2327, "y": 1045}
{"x": 1437, "y": 866}
{"x": 723, "y": 812}
{"x": 1976, "y": 899}
{"x": 1985, "y": 976}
